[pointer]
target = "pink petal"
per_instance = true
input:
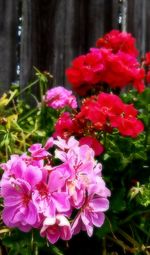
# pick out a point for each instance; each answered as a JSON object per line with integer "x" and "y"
{"x": 65, "y": 233}
{"x": 99, "y": 204}
{"x": 33, "y": 175}
{"x": 98, "y": 219}
{"x": 61, "y": 201}
{"x": 58, "y": 177}
{"x": 18, "y": 168}
{"x": 8, "y": 215}
{"x": 76, "y": 225}
{"x": 31, "y": 214}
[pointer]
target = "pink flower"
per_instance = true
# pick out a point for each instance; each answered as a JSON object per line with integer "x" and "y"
{"x": 92, "y": 214}
{"x": 37, "y": 151}
{"x": 60, "y": 97}
{"x": 55, "y": 228}
{"x": 19, "y": 209}
{"x": 36, "y": 192}
{"x": 49, "y": 143}
{"x": 16, "y": 168}
{"x": 49, "y": 197}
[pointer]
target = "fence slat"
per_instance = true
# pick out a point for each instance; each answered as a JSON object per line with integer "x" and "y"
{"x": 147, "y": 14}
{"x": 56, "y": 31}
{"x": 136, "y": 22}
{"x": 8, "y": 37}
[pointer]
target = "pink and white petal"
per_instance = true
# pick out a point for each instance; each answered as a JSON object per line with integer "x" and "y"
{"x": 89, "y": 229}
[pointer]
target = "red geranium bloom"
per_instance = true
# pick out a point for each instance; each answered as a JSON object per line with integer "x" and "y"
{"x": 102, "y": 66}
{"x": 147, "y": 59}
{"x": 148, "y": 77}
{"x": 118, "y": 41}
{"x": 86, "y": 71}
{"x": 64, "y": 126}
{"x": 129, "y": 126}
{"x": 107, "y": 111}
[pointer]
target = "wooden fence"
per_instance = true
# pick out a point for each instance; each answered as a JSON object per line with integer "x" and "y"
{"x": 48, "y": 34}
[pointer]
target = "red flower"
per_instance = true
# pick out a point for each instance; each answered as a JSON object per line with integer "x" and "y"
{"x": 148, "y": 77}
{"x": 147, "y": 59}
{"x": 102, "y": 66}
{"x": 86, "y": 71}
{"x": 93, "y": 143}
{"x": 118, "y": 41}
{"x": 129, "y": 126}
{"x": 64, "y": 126}
{"x": 107, "y": 111}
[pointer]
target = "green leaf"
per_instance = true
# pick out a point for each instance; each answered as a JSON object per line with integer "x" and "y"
{"x": 117, "y": 202}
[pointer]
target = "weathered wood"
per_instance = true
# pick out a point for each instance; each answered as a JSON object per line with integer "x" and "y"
{"x": 124, "y": 15}
{"x": 26, "y": 49}
{"x": 115, "y": 14}
{"x": 147, "y": 18}
{"x": 56, "y": 31}
{"x": 8, "y": 38}
{"x": 136, "y": 22}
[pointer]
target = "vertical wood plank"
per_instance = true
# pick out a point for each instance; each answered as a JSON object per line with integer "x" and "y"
{"x": 124, "y": 15}
{"x": 136, "y": 23}
{"x": 8, "y": 37}
{"x": 75, "y": 31}
{"x": 95, "y": 21}
{"x": 56, "y": 31}
{"x": 26, "y": 49}
{"x": 147, "y": 17}
{"x": 115, "y": 14}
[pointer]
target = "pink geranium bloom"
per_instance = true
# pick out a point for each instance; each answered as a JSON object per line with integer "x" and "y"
{"x": 36, "y": 192}
{"x": 16, "y": 168}
{"x": 92, "y": 214}
{"x": 49, "y": 143}
{"x": 19, "y": 209}
{"x": 37, "y": 151}
{"x": 50, "y": 198}
{"x": 55, "y": 228}
{"x": 60, "y": 97}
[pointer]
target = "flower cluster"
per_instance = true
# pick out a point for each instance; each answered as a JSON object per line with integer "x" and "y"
{"x": 102, "y": 113}
{"x": 59, "y": 188}
{"x": 60, "y": 97}
{"x": 118, "y": 41}
{"x": 58, "y": 199}
{"x": 107, "y": 111}
{"x": 113, "y": 64}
